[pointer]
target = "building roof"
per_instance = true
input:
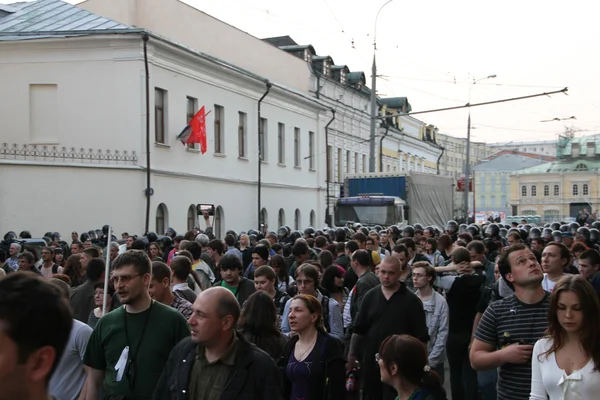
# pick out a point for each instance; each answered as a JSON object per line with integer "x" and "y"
{"x": 50, "y": 17}
{"x": 356, "y": 77}
{"x": 396, "y": 103}
{"x": 507, "y": 162}
{"x": 521, "y": 153}
{"x": 279, "y": 41}
{"x": 516, "y": 144}
{"x": 577, "y": 165}
{"x": 565, "y": 145}
{"x": 297, "y": 47}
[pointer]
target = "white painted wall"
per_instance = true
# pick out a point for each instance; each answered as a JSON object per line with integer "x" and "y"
{"x": 101, "y": 99}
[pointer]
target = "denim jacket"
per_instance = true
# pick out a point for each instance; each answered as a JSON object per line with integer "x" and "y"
{"x": 436, "y": 314}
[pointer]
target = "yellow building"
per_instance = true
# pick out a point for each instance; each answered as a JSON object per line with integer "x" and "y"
{"x": 560, "y": 189}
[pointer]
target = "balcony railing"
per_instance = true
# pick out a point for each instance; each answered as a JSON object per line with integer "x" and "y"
{"x": 53, "y": 153}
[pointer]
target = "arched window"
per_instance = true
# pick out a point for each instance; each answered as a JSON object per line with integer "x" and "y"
{"x": 556, "y": 190}
{"x": 546, "y": 190}
{"x": 281, "y": 218}
{"x": 162, "y": 218}
{"x": 264, "y": 217}
{"x": 313, "y": 218}
{"x": 523, "y": 191}
{"x": 219, "y": 224}
{"x": 575, "y": 190}
{"x": 586, "y": 189}
{"x": 533, "y": 190}
{"x": 297, "y": 220}
{"x": 192, "y": 217}
{"x": 581, "y": 167}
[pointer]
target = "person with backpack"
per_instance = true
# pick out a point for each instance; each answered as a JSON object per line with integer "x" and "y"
{"x": 307, "y": 280}
{"x": 312, "y": 365}
{"x": 49, "y": 267}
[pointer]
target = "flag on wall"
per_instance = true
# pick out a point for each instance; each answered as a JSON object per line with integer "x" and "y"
{"x": 195, "y": 131}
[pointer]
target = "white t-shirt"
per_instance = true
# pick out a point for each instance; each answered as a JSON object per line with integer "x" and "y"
{"x": 548, "y": 381}
{"x": 68, "y": 378}
{"x": 548, "y": 284}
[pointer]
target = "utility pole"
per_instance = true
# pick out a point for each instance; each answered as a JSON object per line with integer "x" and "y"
{"x": 374, "y": 95}
{"x": 468, "y": 149}
{"x": 373, "y": 115}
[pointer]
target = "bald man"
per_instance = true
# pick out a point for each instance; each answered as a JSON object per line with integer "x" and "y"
{"x": 216, "y": 361}
{"x": 387, "y": 309}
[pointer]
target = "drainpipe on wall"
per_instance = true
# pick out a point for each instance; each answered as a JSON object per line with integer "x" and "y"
{"x": 387, "y": 129}
{"x": 439, "y": 158}
{"x": 260, "y": 222}
{"x": 149, "y": 191}
{"x": 328, "y": 161}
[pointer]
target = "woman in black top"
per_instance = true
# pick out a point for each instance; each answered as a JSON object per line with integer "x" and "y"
{"x": 313, "y": 365}
{"x": 258, "y": 324}
{"x": 403, "y": 365}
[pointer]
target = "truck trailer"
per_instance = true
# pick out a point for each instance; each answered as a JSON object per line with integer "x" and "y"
{"x": 395, "y": 199}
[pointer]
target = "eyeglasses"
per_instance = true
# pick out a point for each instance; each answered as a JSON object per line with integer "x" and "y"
{"x": 301, "y": 282}
{"x": 377, "y": 358}
{"x": 125, "y": 279}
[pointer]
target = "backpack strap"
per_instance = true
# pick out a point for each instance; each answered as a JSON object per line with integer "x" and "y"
{"x": 325, "y": 305}
{"x": 55, "y": 268}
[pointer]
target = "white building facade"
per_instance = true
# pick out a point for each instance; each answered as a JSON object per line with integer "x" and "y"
{"x": 74, "y": 153}
{"x": 403, "y": 143}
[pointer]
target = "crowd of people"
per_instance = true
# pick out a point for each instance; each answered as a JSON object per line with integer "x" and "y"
{"x": 500, "y": 312}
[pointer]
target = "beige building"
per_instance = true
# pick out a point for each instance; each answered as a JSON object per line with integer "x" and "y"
{"x": 559, "y": 190}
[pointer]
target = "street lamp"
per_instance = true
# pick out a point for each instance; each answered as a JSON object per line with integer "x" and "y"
{"x": 374, "y": 95}
{"x": 468, "y": 157}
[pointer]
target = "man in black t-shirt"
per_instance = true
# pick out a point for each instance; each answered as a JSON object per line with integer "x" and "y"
{"x": 387, "y": 309}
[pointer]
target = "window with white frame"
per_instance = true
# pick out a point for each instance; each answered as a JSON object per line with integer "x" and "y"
{"x": 533, "y": 190}
{"x": 191, "y": 107}
{"x": 348, "y": 162}
{"x": 546, "y": 190}
{"x": 297, "y": 153}
{"x": 160, "y": 107}
{"x": 556, "y": 190}
{"x": 219, "y": 136}
{"x": 585, "y": 189}
{"x": 242, "y": 135}
{"x": 281, "y": 143}
{"x": 523, "y": 191}
{"x": 262, "y": 140}
{"x": 311, "y": 150}
{"x": 575, "y": 190}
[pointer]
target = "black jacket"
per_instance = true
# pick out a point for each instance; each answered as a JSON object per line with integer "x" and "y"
{"x": 330, "y": 365}
{"x": 255, "y": 374}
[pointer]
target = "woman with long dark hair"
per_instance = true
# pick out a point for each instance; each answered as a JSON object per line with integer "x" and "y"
{"x": 59, "y": 257}
{"x": 565, "y": 364}
{"x": 313, "y": 364}
{"x": 333, "y": 282}
{"x": 284, "y": 280}
{"x": 74, "y": 270}
{"x": 258, "y": 324}
{"x": 403, "y": 365}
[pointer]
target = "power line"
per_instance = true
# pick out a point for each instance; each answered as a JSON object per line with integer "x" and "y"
{"x": 564, "y": 91}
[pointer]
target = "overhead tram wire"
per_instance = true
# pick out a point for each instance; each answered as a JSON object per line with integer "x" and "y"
{"x": 564, "y": 91}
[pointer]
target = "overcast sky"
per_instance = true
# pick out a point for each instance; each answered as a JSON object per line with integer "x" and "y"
{"x": 429, "y": 51}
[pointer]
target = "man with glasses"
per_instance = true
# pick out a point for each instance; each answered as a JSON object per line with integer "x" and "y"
{"x": 48, "y": 267}
{"x": 307, "y": 279}
{"x": 130, "y": 346}
{"x": 231, "y": 278}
